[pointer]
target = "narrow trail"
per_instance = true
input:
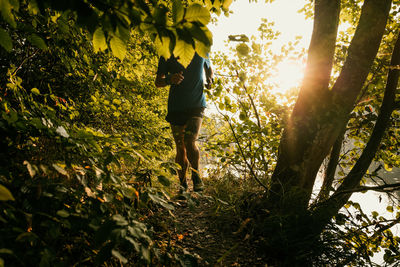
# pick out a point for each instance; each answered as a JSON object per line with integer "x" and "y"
{"x": 201, "y": 241}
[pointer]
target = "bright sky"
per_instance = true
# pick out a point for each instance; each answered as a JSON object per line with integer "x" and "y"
{"x": 246, "y": 19}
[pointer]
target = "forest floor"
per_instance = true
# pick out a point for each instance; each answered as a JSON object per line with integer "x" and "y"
{"x": 203, "y": 239}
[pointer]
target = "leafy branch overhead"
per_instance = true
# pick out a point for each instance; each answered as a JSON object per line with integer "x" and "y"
{"x": 177, "y": 27}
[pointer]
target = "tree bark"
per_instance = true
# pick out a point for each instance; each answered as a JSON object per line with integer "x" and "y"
{"x": 329, "y": 174}
{"x": 296, "y": 136}
{"x": 331, "y": 207}
{"x": 320, "y": 114}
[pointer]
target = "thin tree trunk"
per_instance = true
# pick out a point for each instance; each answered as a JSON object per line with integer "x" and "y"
{"x": 330, "y": 207}
{"x": 329, "y": 174}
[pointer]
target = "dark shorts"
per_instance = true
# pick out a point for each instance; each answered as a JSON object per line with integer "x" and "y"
{"x": 181, "y": 117}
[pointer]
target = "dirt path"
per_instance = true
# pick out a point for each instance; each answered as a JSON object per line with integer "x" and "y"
{"x": 202, "y": 243}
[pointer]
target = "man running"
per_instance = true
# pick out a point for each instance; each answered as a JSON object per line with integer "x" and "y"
{"x": 186, "y": 104}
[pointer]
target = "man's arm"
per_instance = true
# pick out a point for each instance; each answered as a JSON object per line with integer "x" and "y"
{"x": 209, "y": 76}
{"x": 164, "y": 80}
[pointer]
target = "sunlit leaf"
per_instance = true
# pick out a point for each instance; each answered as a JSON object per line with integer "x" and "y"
{"x": 184, "y": 51}
{"x": 162, "y": 45}
{"x": 226, "y": 4}
{"x": 118, "y": 47}
{"x": 202, "y": 49}
{"x": 5, "y": 40}
{"x": 198, "y": 13}
{"x": 60, "y": 169}
{"x": 5, "y": 194}
{"x": 118, "y": 255}
{"x": 242, "y": 49}
{"x": 30, "y": 168}
{"x": 99, "y": 40}
{"x": 61, "y": 131}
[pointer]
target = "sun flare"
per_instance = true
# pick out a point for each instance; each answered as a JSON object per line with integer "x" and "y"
{"x": 289, "y": 74}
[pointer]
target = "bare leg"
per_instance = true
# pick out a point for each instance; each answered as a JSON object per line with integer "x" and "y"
{"x": 181, "y": 158}
{"x": 193, "y": 153}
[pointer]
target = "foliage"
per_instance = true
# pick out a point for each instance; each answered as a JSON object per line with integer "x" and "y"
{"x": 250, "y": 114}
{"x": 176, "y": 27}
{"x": 82, "y": 130}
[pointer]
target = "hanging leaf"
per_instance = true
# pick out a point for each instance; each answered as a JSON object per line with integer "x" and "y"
{"x": 226, "y": 4}
{"x": 99, "y": 40}
{"x": 37, "y": 41}
{"x": 118, "y": 255}
{"x": 184, "y": 51}
{"x": 177, "y": 11}
{"x": 31, "y": 169}
{"x": 118, "y": 47}
{"x": 35, "y": 91}
{"x": 5, "y": 40}
{"x": 5, "y": 194}
{"x": 6, "y": 12}
{"x": 202, "y": 49}
{"x": 164, "y": 180}
{"x": 198, "y": 13}
{"x": 200, "y": 33}
{"x": 60, "y": 169}
{"x": 162, "y": 45}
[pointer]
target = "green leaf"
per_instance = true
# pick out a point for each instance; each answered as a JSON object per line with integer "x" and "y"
{"x": 5, "y": 194}
{"x": 202, "y": 49}
{"x": 146, "y": 254}
{"x": 389, "y": 208}
{"x": 5, "y": 10}
{"x": 198, "y": 13}
{"x": 60, "y": 169}
{"x": 99, "y": 40}
{"x": 184, "y": 51}
{"x": 37, "y": 41}
{"x": 5, "y": 40}
{"x": 63, "y": 213}
{"x": 118, "y": 255}
{"x": 242, "y": 49}
{"x": 162, "y": 44}
{"x": 118, "y": 47}
{"x": 200, "y": 33}
{"x": 164, "y": 180}
{"x": 35, "y": 91}
{"x": 177, "y": 11}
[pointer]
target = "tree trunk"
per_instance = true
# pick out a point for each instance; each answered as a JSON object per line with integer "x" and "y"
{"x": 320, "y": 114}
{"x": 330, "y": 207}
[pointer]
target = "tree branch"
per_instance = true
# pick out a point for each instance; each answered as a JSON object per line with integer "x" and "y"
{"x": 380, "y": 188}
{"x": 352, "y": 180}
{"x": 361, "y": 53}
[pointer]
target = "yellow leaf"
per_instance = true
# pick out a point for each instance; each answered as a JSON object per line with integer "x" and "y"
{"x": 118, "y": 47}
{"x": 5, "y": 194}
{"x": 99, "y": 40}
{"x": 35, "y": 91}
{"x": 162, "y": 46}
{"x": 184, "y": 51}
{"x": 198, "y": 13}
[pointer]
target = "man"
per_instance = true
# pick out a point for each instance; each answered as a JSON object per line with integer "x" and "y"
{"x": 186, "y": 104}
